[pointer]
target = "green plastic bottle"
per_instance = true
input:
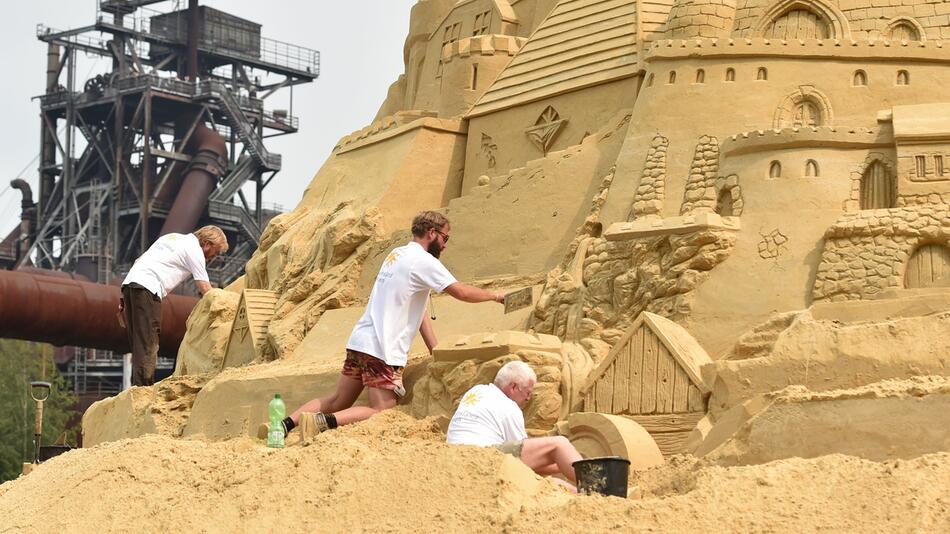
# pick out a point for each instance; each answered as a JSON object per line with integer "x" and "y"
{"x": 276, "y": 412}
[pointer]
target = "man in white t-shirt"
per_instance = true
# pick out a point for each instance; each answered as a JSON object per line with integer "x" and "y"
{"x": 489, "y": 415}
{"x": 378, "y": 347}
{"x": 167, "y": 263}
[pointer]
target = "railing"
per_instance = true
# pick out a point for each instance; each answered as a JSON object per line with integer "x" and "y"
{"x": 274, "y": 52}
{"x": 238, "y": 176}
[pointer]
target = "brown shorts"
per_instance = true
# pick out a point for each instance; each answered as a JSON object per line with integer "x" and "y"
{"x": 373, "y": 372}
{"x": 511, "y": 447}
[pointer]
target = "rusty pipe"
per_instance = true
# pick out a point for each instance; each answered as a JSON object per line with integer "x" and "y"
{"x": 201, "y": 177}
{"x": 27, "y": 217}
{"x": 64, "y": 311}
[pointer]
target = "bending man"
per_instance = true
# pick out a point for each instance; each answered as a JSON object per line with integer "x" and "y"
{"x": 489, "y": 415}
{"x": 167, "y": 263}
{"x": 378, "y": 348}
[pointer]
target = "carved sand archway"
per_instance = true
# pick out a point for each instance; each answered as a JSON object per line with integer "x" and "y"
{"x": 805, "y": 107}
{"x": 905, "y": 29}
{"x": 820, "y": 21}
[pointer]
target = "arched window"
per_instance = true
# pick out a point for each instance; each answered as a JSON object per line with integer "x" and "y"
{"x": 762, "y": 74}
{"x": 903, "y": 77}
{"x": 860, "y": 78}
{"x": 650, "y": 80}
{"x": 775, "y": 170}
{"x": 672, "y": 76}
{"x": 724, "y": 203}
{"x": 730, "y": 75}
{"x": 928, "y": 266}
{"x": 811, "y": 168}
{"x": 902, "y": 31}
{"x": 798, "y": 23}
{"x": 878, "y": 189}
{"x": 700, "y": 76}
{"x": 806, "y": 114}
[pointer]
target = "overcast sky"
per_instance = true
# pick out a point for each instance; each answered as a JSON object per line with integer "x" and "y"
{"x": 360, "y": 42}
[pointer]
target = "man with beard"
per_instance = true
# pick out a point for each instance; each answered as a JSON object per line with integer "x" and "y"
{"x": 378, "y": 347}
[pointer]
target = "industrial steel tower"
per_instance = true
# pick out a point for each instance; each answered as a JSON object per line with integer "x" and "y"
{"x": 165, "y": 141}
{"x": 171, "y": 135}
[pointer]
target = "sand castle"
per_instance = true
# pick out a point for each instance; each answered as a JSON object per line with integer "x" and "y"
{"x": 735, "y": 215}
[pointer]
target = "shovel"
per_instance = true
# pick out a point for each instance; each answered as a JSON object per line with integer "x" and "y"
{"x": 40, "y": 392}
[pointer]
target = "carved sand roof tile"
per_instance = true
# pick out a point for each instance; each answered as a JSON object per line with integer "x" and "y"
{"x": 580, "y": 43}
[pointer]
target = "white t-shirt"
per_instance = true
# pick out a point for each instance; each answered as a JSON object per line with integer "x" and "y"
{"x": 398, "y": 300}
{"x": 486, "y": 417}
{"x": 167, "y": 263}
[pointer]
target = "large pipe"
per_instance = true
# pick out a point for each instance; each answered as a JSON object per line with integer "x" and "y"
{"x": 63, "y": 311}
{"x": 27, "y": 217}
{"x": 201, "y": 177}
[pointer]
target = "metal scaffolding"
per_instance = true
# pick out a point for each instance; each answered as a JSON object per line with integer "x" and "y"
{"x": 100, "y": 208}
{"x": 117, "y": 150}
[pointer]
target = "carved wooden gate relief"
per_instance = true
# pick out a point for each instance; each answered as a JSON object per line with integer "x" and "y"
{"x": 652, "y": 375}
{"x": 928, "y": 267}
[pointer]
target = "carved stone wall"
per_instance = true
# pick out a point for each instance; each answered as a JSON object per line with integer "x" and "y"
{"x": 621, "y": 279}
{"x": 652, "y": 188}
{"x": 867, "y": 252}
{"x": 701, "y": 182}
{"x": 700, "y": 18}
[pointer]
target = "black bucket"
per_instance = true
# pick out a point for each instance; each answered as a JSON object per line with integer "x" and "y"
{"x": 49, "y": 451}
{"x": 606, "y": 475}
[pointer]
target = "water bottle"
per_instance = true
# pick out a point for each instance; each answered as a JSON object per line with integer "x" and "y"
{"x": 276, "y": 412}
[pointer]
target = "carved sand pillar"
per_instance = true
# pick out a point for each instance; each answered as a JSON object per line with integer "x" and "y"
{"x": 700, "y": 194}
{"x": 651, "y": 191}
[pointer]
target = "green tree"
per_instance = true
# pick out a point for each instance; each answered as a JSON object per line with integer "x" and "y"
{"x": 20, "y": 363}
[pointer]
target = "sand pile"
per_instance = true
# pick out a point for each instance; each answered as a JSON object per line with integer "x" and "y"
{"x": 394, "y": 474}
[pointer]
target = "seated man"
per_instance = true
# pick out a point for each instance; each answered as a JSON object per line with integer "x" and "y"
{"x": 490, "y": 415}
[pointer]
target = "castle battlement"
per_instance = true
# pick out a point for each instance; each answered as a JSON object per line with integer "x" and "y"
{"x": 822, "y": 136}
{"x": 482, "y": 45}
{"x": 839, "y": 48}
{"x": 390, "y": 122}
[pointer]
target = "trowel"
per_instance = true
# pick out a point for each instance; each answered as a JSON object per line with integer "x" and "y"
{"x": 517, "y": 300}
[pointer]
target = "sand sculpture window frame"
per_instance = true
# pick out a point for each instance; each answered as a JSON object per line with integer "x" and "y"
{"x": 730, "y": 75}
{"x": 835, "y": 20}
{"x": 903, "y": 77}
{"x": 806, "y": 107}
{"x": 928, "y": 266}
{"x": 762, "y": 74}
{"x": 672, "y": 79}
{"x": 775, "y": 170}
{"x": 878, "y": 185}
{"x": 859, "y": 79}
{"x": 909, "y": 26}
{"x": 812, "y": 170}
{"x": 700, "y": 76}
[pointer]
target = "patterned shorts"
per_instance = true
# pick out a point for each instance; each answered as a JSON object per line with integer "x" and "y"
{"x": 373, "y": 372}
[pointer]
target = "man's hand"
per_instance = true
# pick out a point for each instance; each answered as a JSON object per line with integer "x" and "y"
{"x": 203, "y": 287}
{"x": 467, "y": 293}
{"x": 121, "y": 305}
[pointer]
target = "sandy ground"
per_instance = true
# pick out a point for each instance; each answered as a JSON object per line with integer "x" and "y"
{"x": 394, "y": 474}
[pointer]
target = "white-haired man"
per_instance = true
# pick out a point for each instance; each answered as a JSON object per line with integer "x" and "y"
{"x": 489, "y": 415}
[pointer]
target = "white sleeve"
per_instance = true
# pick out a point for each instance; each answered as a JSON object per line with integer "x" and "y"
{"x": 513, "y": 425}
{"x": 431, "y": 274}
{"x": 194, "y": 260}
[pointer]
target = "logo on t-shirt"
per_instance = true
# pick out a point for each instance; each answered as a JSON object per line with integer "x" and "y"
{"x": 391, "y": 259}
{"x": 470, "y": 399}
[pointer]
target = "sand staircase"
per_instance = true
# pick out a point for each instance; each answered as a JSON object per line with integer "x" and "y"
{"x": 759, "y": 341}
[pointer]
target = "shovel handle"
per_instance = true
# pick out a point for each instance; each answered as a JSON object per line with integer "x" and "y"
{"x": 38, "y": 420}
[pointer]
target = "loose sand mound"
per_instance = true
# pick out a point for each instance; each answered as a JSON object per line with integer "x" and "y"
{"x": 394, "y": 474}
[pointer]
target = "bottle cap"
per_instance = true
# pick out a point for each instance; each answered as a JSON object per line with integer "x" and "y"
{"x": 276, "y": 395}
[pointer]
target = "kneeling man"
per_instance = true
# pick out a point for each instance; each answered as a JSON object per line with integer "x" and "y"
{"x": 489, "y": 415}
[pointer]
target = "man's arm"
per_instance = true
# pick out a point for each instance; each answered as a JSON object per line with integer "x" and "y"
{"x": 467, "y": 293}
{"x": 203, "y": 287}
{"x": 428, "y": 333}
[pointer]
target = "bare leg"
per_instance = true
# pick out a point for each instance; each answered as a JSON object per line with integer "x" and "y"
{"x": 542, "y": 454}
{"x": 347, "y": 391}
{"x": 379, "y": 400}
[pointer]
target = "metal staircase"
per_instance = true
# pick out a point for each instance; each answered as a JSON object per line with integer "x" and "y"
{"x": 211, "y": 89}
